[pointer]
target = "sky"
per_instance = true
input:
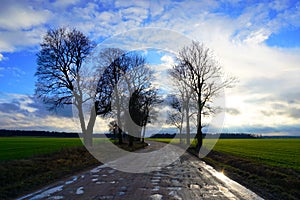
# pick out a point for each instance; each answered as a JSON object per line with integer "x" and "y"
{"x": 256, "y": 41}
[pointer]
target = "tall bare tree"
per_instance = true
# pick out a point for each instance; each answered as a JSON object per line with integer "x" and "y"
{"x": 59, "y": 79}
{"x": 200, "y": 73}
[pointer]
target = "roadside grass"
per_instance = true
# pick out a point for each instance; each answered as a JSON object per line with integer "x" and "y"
{"x": 269, "y": 167}
{"x": 28, "y": 163}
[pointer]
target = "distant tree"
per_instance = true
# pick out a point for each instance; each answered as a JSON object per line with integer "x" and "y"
{"x": 176, "y": 115}
{"x": 140, "y": 105}
{"x": 138, "y": 84}
{"x": 151, "y": 99}
{"x": 60, "y": 72}
{"x": 113, "y": 66}
{"x": 113, "y": 128}
{"x": 124, "y": 73}
{"x": 199, "y": 72}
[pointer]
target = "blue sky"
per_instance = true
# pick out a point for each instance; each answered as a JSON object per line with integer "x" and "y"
{"x": 256, "y": 41}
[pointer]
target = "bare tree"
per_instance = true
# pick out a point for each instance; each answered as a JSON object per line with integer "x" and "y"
{"x": 60, "y": 65}
{"x": 124, "y": 74}
{"x": 113, "y": 66}
{"x": 200, "y": 74}
{"x": 141, "y": 92}
{"x": 187, "y": 108}
{"x": 176, "y": 115}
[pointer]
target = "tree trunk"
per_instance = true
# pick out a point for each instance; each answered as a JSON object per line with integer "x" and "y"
{"x": 88, "y": 139}
{"x": 144, "y": 133}
{"x": 130, "y": 144}
{"x": 199, "y": 134}
{"x": 119, "y": 116}
{"x": 180, "y": 128}
{"x": 90, "y": 127}
{"x": 87, "y": 131}
{"x": 199, "y": 137}
{"x": 188, "y": 136}
{"x": 120, "y": 137}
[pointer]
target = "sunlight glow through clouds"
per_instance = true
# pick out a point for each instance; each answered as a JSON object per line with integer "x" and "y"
{"x": 237, "y": 32}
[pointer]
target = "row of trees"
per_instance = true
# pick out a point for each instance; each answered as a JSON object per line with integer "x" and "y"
{"x": 119, "y": 84}
{"x": 115, "y": 80}
{"x": 199, "y": 80}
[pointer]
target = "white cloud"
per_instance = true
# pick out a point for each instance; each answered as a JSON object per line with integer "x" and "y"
{"x": 19, "y": 111}
{"x": 169, "y": 60}
{"x": 62, "y": 4}
{"x": 15, "y": 16}
{"x": 258, "y": 37}
{"x": 20, "y": 39}
{"x": 134, "y": 13}
{"x": 131, "y": 3}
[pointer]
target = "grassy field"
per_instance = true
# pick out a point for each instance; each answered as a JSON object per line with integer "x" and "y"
{"x": 12, "y": 148}
{"x": 274, "y": 152}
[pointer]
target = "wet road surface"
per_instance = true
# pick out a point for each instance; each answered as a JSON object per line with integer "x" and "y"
{"x": 186, "y": 178}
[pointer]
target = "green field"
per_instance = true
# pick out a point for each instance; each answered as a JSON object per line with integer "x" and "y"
{"x": 12, "y": 148}
{"x": 274, "y": 152}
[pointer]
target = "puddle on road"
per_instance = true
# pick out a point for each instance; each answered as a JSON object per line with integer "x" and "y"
{"x": 44, "y": 194}
{"x": 227, "y": 186}
{"x": 174, "y": 188}
{"x": 175, "y": 195}
{"x": 96, "y": 170}
{"x": 111, "y": 171}
{"x": 56, "y": 198}
{"x": 155, "y": 180}
{"x": 121, "y": 193}
{"x": 156, "y": 197}
{"x": 100, "y": 182}
{"x": 156, "y": 188}
{"x": 194, "y": 186}
{"x": 71, "y": 181}
{"x": 79, "y": 190}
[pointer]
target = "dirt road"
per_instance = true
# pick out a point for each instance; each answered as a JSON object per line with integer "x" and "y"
{"x": 186, "y": 178}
